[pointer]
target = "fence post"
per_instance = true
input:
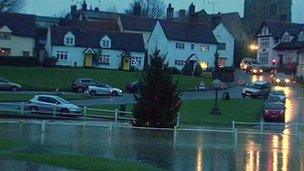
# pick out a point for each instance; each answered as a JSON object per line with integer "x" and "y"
{"x": 235, "y": 137}
{"x": 116, "y": 115}
{"x": 22, "y": 108}
{"x": 233, "y": 125}
{"x": 84, "y": 112}
{"x": 261, "y": 126}
{"x": 178, "y": 120}
{"x": 54, "y": 111}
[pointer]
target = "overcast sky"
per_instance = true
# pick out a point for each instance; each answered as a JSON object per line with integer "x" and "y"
{"x": 59, "y": 7}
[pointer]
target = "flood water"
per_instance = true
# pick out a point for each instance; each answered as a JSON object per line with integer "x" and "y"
{"x": 186, "y": 150}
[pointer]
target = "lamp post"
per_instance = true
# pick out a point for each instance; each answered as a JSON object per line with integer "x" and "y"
{"x": 216, "y": 109}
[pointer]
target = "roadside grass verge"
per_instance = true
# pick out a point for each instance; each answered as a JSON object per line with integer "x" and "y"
{"x": 24, "y": 96}
{"x": 6, "y": 144}
{"x": 197, "y": 112}
{"x": 49, "y": 79}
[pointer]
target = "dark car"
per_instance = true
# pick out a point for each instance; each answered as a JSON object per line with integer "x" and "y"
{"x": 281, "y": 79}
{"x": 82, "y": 84}
{"x": 257, "y": 89}
{"x": 9, "y": 86}
{"x": 273, "y": 99}
{"x": 133, "y": 87}
{"x": 274, "y": 112}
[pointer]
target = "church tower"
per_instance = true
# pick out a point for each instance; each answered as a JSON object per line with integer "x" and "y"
{"x": 257, "y": 11}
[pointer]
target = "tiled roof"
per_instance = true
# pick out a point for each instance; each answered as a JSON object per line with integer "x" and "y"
{"x": 293, "y": 45}
{"x": 91, "y": 38}
{"x": 137, "y": 23}
{"x": 278, "y": 28}
{"x": 20, "y": 24}
{"x": 101, "y": 25}
{"x": 188, "y": 32}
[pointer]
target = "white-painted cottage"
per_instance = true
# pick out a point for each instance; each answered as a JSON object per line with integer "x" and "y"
{"x": 17, "y": 34}
{"x": 279, "y": 43}
{"x": 73, "y": 46}
{"x": 184, "y": 41}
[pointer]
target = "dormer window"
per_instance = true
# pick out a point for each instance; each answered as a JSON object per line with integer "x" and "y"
{"x": 105, "y": 42}
{"x": 286, "y": 37}
{"x": 301, "y": 36}
{"x": 69, "y": 39}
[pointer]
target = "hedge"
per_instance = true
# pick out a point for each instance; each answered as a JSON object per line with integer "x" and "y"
{"x": 18, "y": 61}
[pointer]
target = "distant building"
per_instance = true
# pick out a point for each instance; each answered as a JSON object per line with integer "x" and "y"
{"x": 279, "y": 43}
{"x": 257, "y": 11}
{"x": 183, "y": 42}
{"x": 17, "y": 34}
{"x": 74, "y": 46}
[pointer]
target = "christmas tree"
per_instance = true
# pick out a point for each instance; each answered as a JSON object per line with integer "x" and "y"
{"x": 158, "y": 101}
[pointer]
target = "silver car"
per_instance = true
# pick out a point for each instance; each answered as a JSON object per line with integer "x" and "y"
{"x": 49, "y": 103}
{"x": 9, "y": 86}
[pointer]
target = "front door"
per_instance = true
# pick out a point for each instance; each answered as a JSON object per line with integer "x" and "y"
{"x": 88, "y": 60}
{"x": 126, "y": 63}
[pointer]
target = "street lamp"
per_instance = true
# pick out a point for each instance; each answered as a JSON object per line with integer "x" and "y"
{"x": 217, "y": 85}
{"x": 253, "y": 47}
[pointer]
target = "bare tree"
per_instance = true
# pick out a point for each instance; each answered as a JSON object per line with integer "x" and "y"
{"x": 10, "y": 5}
{"x": 149, "y": 8}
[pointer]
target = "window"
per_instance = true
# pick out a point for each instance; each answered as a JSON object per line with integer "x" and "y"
{"x": 136, "y": 61}
{"x": 105, "y": 43}
{"x": 5, "y": 36}
{"x": 204, "y": 65}
{"x": 62, "y": 55}
{"x": 286, "y": 38}
{"x": 264, "y": 57}
{"x": 301, "y": 37}
{"x": 69, "y": 41}
{"x": 25, "y": 53}
{"x": 265, "y": 42}
{"x": 222, "y": 46}
{"x": 205, "y": 48}
{"x": 5, "y": 52}
{"x": 3, "y": 81}
{"x": 180, "y": 46}
{"x": 104, "y": 60}
{"x": 180, "y": 63}
{"x": 192, "y": 46}
{"x": 273, "y": 10}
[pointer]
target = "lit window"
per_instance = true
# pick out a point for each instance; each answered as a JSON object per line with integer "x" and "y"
{"x": 205, "y": 48}
{"x": 180, "y": 46}
{"x": 222, "y": 46}
{"x": 204, "y": 65}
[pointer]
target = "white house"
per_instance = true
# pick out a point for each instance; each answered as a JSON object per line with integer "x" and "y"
{"x": 17, "y": 34}
{"x": 184, "y": 41}
{"x": 279, "y": 43}
{"x": 73, "y": 46}
{"x": 225, "y": 45}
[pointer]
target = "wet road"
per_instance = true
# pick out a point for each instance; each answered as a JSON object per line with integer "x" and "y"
{"x": 186, "y": 150}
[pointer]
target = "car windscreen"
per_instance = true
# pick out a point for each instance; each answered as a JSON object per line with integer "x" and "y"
{"x": 256, "y": 86}
{"x": 254, "y": 62}
{"x": 274, "y": 106}
{"x": 280, "y": 75}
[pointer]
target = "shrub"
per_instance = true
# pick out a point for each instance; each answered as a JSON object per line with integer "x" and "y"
{"x": 198, "y": 70}
{"x": 174, "y": 70}
{"x": 50, "y": 62}
{"x": 188, "y": 68}
{"x": 19, "y": 61}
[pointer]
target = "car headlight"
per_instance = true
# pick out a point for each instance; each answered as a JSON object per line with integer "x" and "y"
{"x": 287, "y": 80}
{"x": 261, "y": 70}
{"x": 278, "y": 80}
{"x": 254, "y": 71}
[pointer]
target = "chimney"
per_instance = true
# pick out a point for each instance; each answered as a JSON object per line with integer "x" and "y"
{"x": 182, "y": 13}
{"x": 191, "y": 9}
{"x": 73, "y": 11}
{"x": 217, "y": 19}
{"x": 170, "y": 11}
{"x": 137, "y": 9}
{"x": 84, "y": 6}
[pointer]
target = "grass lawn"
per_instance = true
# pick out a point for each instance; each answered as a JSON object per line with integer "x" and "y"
{"x": 8, "y": 144}
{"x": 198, "y": 111}
{"x": 48, "y": 79}
{"x": 20, "y": 96}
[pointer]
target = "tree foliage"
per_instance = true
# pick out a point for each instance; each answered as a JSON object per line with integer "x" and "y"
{"x": 158, "y": 101}
{"x": 198, "y": 70}
{"x": 149, "y": 8}
{"x": 10, "y": 5}
{"x": 188, "y": 68}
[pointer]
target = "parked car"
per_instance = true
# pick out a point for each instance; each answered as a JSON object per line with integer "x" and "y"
{"x": 257, "y": 90}
{"x": 255, "y": 71}
{"x": 133, "y": 87}
{"x": 280, "y": 94}
{"x": 273, "y": 99}
{"x": 47, "y": 103}
{"x": 248, "y": 63}
{"x": 9, "y": 86}
{"x": 274, "y": 112}
{"x": 82, "y": 84}
{"x": 103, "y": 89}
{"x": 281, "y": 79}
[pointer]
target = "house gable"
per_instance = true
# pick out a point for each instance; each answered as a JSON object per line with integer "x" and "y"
{"x": 264, "y": 31}
{"x": 69, "y": 39}
{"x": 5, "y": 29}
